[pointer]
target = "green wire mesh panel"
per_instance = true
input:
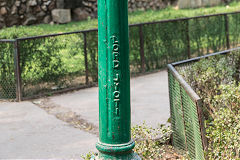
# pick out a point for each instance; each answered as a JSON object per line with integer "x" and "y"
{"x": 179, "y": 138}
{"x": 7, "y": 77}
{"x": 184, "y": 120}
{"x": 192, "y": 128}
{"x": 92, "y": 55}
{"x": 134, "y": 53}
{"x": 234, "y": 30}
{"x": 164, "y": 43}
{"x": 207, "y": 35}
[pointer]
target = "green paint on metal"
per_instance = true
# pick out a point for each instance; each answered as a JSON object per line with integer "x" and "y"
{"x": 129, "y": 156}
{"x": 194, "y": 140}
{"x": 115, "y": 148}
{"x": 185, "y": 120}
{"x": 177, "y": 121}
{"x": 114, "y": 80}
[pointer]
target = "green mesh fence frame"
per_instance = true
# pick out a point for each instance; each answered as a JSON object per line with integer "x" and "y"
{"x": 192, "y": 126}
{"x": 186, "y": 118}
{"x": 177, "y": 118}
{"x": 193, "y": 108}
{"x": 7, "y": 71}
{"x": 207, "y": 35}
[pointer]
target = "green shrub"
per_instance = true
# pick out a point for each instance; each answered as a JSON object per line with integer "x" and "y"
{"x": 20, "y": 32}
{"x": 216, "y": 81}
{"x": 224, "y": 131}
{"x": 206, "y": 76}
{"x": 223, "y": 135}
{"x": 148, "y": 143}
{"x": 151, "y": 143}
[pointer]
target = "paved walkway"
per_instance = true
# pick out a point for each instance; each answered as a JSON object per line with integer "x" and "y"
{"x": 66, "y": 126}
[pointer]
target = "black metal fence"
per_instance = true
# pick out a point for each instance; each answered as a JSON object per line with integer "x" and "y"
{"x": 43, "y": 65}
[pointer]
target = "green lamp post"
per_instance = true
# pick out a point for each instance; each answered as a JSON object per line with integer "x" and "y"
{"x": 114, "y": 81}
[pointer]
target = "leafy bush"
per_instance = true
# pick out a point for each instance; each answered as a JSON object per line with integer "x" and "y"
{"x": 20, "y": 32}
{"x": 151, "y": 143}
{"x": 224, "y": 131}
{"x": 223, "y": 135}
{"x": 216, "y": 80}
{"x": 206, "y": 76}
{"x": 148, "y": 144}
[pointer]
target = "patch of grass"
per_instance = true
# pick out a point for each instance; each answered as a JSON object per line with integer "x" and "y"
{"x": 135, "y": 17}
{"x": 171, "y": 13}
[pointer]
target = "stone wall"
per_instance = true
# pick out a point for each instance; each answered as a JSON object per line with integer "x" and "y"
{"x": 25, "y": 12}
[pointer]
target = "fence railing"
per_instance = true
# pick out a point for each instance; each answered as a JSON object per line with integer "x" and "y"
{"x": 43, "y": 65}
{"x": 186, "y": 108}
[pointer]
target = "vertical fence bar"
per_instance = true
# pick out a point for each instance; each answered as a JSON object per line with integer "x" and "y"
{"x": 85, "y": 57}
{"x": 17, "y": 71}
{"x": 227, "y": 31}
{"x": 188, "y": 39}
{"x": 142, "y": 56}
{"x": 201, "y": 119}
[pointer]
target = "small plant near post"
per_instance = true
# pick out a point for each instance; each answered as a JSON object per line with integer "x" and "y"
{"x": 151, "y": 143}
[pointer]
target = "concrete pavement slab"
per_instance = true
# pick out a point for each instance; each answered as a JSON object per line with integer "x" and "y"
{"x": 65, "y": 126}
{"x": 28, "y": 132}
{"x": 149, "y": 100}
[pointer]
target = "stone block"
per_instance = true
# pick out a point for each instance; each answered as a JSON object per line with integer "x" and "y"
{"x": 61, "y": 15}
{"x": 3, "y": 11}
{"x": 60, "y": 4}
{"x": 30, "y": 20}
{"x": 189, "y": 3}
{"x": 69, "y": 4}
{"x": 47, "y": 19}
{"x": 80, "y": 14}
{"x": 32, "y": 3}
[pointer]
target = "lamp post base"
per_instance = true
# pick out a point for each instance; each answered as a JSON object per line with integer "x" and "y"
{"x": 126, "y": 156}
{"x": 116, "y": 152}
